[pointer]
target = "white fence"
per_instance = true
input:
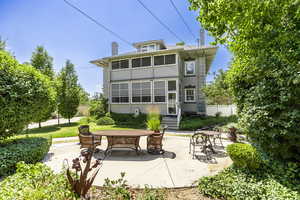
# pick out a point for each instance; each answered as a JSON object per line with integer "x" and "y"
{"x": 225, "y": 110}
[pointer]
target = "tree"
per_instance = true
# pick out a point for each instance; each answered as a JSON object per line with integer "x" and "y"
{"x": 84, "y": 96}
{"x": 44, "y": 63}
{"x": 68, "y": 91}
{"x": 264, "y": 77}
{"x": 2, "y": 44}
{"x": 217, "y": 92}
{"x": 98, "y": 106}
{"x": 23, "y": 90}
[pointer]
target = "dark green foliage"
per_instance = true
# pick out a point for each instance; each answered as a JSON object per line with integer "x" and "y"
{"x": 244, "y": 156}
{"x": 105, "y": 121}
{"x": 264, "y": 77}
{"x": 35, "y": 182}
{"x": 24, "y": 92}
{"x": 130, "y": 120}
{"x": 44, "y": 63}
{"x": 68, "y": 91}
{"x": 98, "y": 106}
{"x": 29, "y": 150}
{"x": 217, "y": 92}
{"x": 241, "y": 184}
{"x": 193, "y": 123}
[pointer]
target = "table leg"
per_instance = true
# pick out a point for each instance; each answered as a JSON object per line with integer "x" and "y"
{"x": 210, "y": 145}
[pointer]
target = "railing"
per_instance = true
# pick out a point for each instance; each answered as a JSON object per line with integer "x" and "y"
{"x": 179, "y": 116}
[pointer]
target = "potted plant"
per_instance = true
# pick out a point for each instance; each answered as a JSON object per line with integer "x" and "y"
{"x": 153, "y": 122}
{"x": 232, "y": 136}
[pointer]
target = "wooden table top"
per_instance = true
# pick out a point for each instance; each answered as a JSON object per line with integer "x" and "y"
{"x": 125, "y": 133}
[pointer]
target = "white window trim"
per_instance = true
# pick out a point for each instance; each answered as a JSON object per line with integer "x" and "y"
{"x": 185, "y": 68}
{"x": 151, "y": 92}
{"x": 165, "y": 65}
{"x": 166, "y": 91}
{"x": 185, "y": 95}
{"x": 134, "y": 68}
{"x": 123, "y": 69}
{"x": 112, "y": 96}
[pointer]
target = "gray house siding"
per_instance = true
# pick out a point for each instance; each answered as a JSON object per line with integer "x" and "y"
{"x": 143, "y": 108}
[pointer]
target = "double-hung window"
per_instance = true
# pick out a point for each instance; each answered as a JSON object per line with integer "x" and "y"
{"x": 141, "y": 92}
{"x": 189, "y": 68}
{"x": 120, "y": 64}
{"x": 190, "y": 95}
{"x": 159, "y": 91}
{"x": 141, "y": 62}
{"x": 165, "y": 59}
{"x": 120, "y": 93}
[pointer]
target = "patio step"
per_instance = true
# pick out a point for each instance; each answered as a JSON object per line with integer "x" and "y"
{"x": 171, "y": 122}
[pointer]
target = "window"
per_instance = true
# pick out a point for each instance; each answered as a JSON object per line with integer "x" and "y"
{"x": 190, "y": 95}
{"x": 159, "y": 91}
{"x": 189, "y": 68}
{"x": 120, "y": 64}
{"x": 141, "y": 92}
{"x": 147, "y": 48}
{"x": 120, "y": 93}
{"x": 171, "y": 85}
{"x": 165, "y": 60}
{"x": 141, "y": 62}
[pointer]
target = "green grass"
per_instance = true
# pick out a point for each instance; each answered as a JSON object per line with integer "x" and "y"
{"x": 68, "y": 130}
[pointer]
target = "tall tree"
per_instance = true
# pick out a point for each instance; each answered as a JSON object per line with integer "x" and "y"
{"x": 264, "y": 36}
{"x": 41, "y": 60}
{"x": 2, "y": 44}
{"x": 68, "y": 91}
{"x": 217, "y": 92}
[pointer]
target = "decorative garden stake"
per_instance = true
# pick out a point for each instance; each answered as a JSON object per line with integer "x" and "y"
{"x": 81, "y": 183}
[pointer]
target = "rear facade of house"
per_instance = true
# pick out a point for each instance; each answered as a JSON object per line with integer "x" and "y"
{"x": 157, "y": 76}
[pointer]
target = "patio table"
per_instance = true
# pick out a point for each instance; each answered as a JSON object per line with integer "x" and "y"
{"x": 123, "y": 138}
{"x": 207, "y": 139}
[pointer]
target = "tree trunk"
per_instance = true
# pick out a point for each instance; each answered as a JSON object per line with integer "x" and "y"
{"x": 40, "y": 125}
{"x": 69, "y": 121}
{"x": 57, "y": 118}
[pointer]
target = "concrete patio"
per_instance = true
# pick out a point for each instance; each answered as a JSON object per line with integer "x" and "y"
{"x": 175, "y": 168}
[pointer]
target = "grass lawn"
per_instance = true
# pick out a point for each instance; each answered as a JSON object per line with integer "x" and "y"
{"x": 68, "y": 130}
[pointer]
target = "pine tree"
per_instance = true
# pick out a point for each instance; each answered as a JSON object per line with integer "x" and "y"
{"x": 68, "y": 91}
{"x": 44, "y": 63}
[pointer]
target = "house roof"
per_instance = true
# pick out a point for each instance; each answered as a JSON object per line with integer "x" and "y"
{"x": 138, "y": 44}
{"x": 183, "y": 50}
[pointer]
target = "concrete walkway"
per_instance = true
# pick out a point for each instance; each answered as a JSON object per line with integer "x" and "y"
{"x": 175, "y": 168}
{"x": 54, "y": 122}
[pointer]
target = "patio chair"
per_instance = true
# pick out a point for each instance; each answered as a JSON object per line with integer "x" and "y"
{"x": 87, "y": 139}
{"x": 218, "y": 137}
{"x": 196, "y": 140}
{"x": 154, "y": 142}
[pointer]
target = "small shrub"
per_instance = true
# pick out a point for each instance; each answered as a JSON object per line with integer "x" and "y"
{"x": 117, "y": 189}
{"x": 240, "y": 184}
{"x": 105, "y": 121}
{"x": 35, "y": 182}
{"x": 86, "y": 120}
{"x": 152, "y": 194}
{"x": 153, "y": 121}
{"x": 244, "y": 156}
{"x": 29, "y": 150}
{"x": 130, "y": 120}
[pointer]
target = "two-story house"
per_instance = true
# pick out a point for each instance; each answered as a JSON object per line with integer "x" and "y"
{"x": 156, "y": 74}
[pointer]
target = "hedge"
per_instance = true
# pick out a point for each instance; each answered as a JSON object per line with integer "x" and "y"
{"x": 35, "y": 182}
{"x": 29, "y": 150}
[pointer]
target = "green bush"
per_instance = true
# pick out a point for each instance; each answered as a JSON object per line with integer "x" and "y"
{"x": 130, "y": 120}
{"x": 240, "y": 184}
{"x": 35, "y": 182}
{"x": 105, "y": 121}
{"x": 29, "y": 150}
{"x": 98, "y": 107}
{"x": 244, "y": 156}
{"x": 25, "y": 93}
{"x": 192, "y": 123}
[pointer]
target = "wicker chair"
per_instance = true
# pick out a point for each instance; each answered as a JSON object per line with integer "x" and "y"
{"x": 87, "y": 139}
{"x": 154, "y": 142}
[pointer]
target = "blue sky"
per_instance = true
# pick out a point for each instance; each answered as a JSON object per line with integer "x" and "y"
{"x": 66, "y": 34}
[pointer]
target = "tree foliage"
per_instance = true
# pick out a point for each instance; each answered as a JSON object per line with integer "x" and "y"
{"x": 23, "y": 93}
{"x": 68, "y": 91}
{"x": 217, "y": 92}
{"x": 2, "y": 44}
{"x": 98, "y": 106}
{"x": 44, "y": 63}
{"x": 264, "y": 77}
